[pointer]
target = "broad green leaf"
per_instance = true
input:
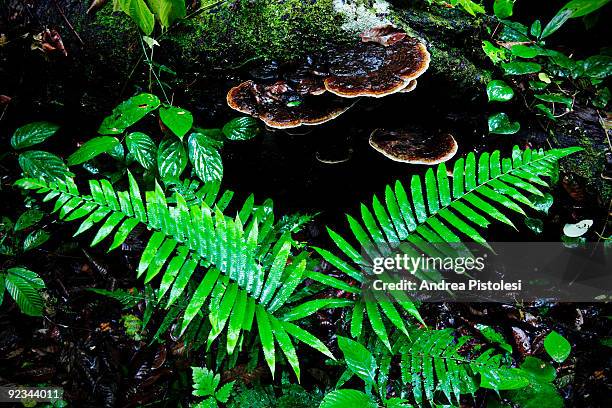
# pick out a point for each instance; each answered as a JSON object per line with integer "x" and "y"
{"x": 495, "y": 54}
{"x": 178, "y": 120}
{"x": 32, "y": 133}
{"x": 23, "y": 286}
{"x": 140, "y": 13}
{"x": 266, "y": 336}
{"x": 167, "y": 11}
{"x": 359, "y": 360}
{"x": 92, "y": 148}
{"x": 503, "y": 378}
{"x": 524, "y": 51}
{"x": 243, "y": 128}
{"x": 538, "y": 369}
{"x": 521, "y": 68}
{"x": 128, "y": 113}
{"x": 581, "y": 8}
{"x": 36, "y": 163}
{"x": 536, "y": 28}
{"x": 499, "y": 91}
{"x": 598, "y": 66}
{"x": 557, "y": 346}
{"x": 348, "y": 399}
{"x": 28, "y": 218}
{"x": 546, "y": 111}
{"x": 205, "y": 158}
{"x": 501, "y": 124}
{"x": 503, "y": 8}
{"x": 558, "y": 98}
{"x": 556, "y": 22}
{"x": 171, "y": 159}
{"x": 143, "y": 149}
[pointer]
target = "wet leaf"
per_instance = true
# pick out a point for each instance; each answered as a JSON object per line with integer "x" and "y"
{"x": 535, "y": 224}
{"x": 168, "y": 11}
{"x": 501, "y": 124}
{"x": 128, "y": 113}
{"x": 171, "y": 159}
{"x": 556, "y": 98}
{"x": 28, "y": 218}
{"x": 524, "y": 51}
{"x": 598, "y": 66}
{"x": 536, "y": 28}
{"x": 557, "y": 347}
{"x": 243, "y": 128}
{"x": 36, "y": 163}
{"x": 546, "y": 111}
{"x": 178, "y": 120}
{"x": 205, "y": 157}
{"x": 542, "y": 203}
{"x": 92, "y": 148}
{"x": 33, "y": 133}
{"x": 140, "y": 13}
{"x": 499, "y": 91}
{"x": 143, "y": 149}
{"x": 521, "y": 68}
{"x": 35, "y": 239}
{"x": 503, "y": 8}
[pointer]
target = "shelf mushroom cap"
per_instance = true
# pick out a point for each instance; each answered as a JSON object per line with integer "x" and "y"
{"x": 383, "y": 64}
{"x": 414, "y": 148}
{"x": 281, "y": 106}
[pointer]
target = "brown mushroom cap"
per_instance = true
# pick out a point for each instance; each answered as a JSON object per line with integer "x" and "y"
{"x": 410, "y": 147}
{"x": 384, "y": 63}
{"x": 280, "y": 106}
{"x": 410, "y": 86}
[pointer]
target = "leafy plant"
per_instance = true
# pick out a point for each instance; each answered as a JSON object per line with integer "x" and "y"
{"x": 248, "y": 272}
{"x": 439, "y": 210}
{"x": 206, "y": 384}
{"x": 144, "y": 13}
{"x": 170, "y": 158}
{"x": 431, "y": 366}
{"x": 38, "y": 163}
{"x": 24, "y": 287}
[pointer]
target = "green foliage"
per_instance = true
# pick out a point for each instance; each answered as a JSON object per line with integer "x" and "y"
{"x": 573, "y": 9}
{"x": 127, "y": 298}
{"x": 33, "y": 133}
{"x": 501, "y": 124}
{"x": 503, "y": 8}
{"x": 440, "y": 210}
{"x": 557, "y": 346}
{"x": 28, "y": 219}
{"x": 540, "y": 391}
{"x": 243, "y": 128}
{"x": 133, "y": 326}
{"x": 37, "y": 163}
{"x": 144, "y": 13}
{"x": 245, "y": 275}
{"x": 171, "y": 158}
{"x": 24, "y": 287}
{"x": 206, "y": 384}
{"x": 499, "y": 91}
{"x": 92, "y": 148}
{"x": 347, "y": 398}
{"x": 178, "y": 120}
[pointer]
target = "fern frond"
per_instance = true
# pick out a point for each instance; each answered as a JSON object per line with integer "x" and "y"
{"x": 437, "y": 209}
{"x": 431, "y": 364}
{"x": 250, "y": 273}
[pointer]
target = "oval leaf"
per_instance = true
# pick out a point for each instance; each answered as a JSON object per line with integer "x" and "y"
{"x": 521, "y": 68}
{"x": 499, "y": 91}
{"x": 500, "y": 124}
{"x": 143, "y": 149}
{"x": 128, "y": 113}
{"x": 205, "y": 158}
{"x": 171, "y": 159}
{"x": 178, "y": 120}
{"x": 347, "y": 399}
{"x": 36, "y": 163}
{"x": 359, "y": 360}
{"x": 92, "y": 148}
{"x": 243, "y": 128}
{"x": 33, "y": 133}
{"x": 557, "y": 346}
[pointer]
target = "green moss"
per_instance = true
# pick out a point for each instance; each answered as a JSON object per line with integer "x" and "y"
{"x": 453, "y": 65}
{"x": 269, "y": 29}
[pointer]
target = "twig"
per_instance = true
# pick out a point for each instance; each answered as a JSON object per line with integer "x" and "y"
{"x": 68, "y": 22}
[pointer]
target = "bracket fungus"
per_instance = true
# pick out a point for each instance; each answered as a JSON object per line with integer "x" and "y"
{"x": 282, "y": 106}
{"x": 385, "y": 62}
{"x": 414, "y": 148}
